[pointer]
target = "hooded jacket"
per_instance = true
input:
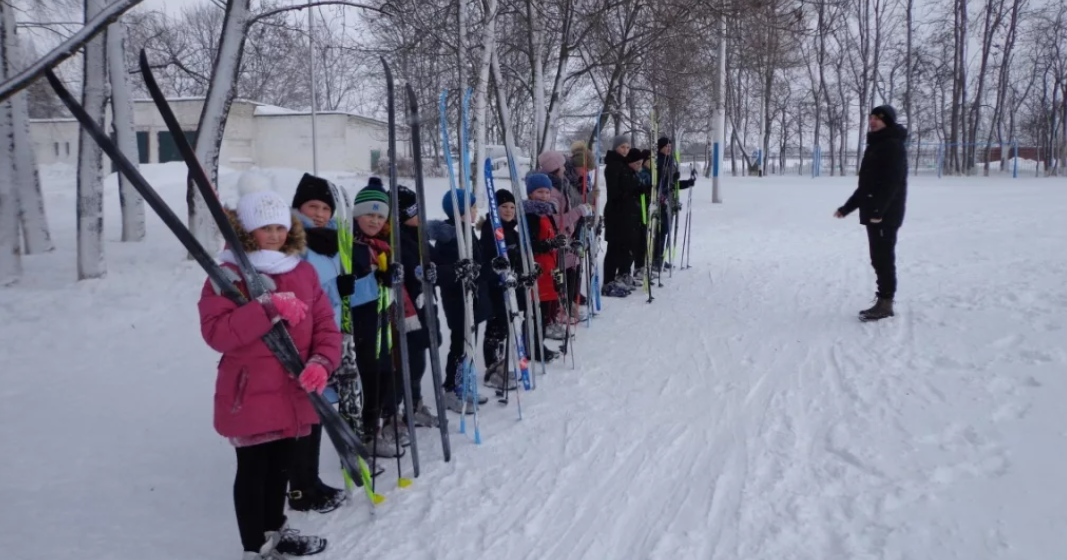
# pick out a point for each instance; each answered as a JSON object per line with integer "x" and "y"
{"x": 445, "y": 254}
{"x": 256, "y": 400}
{"x": 322, "y": 253}
{"x": 622, "y": 211}
{"x": 883, "y": 179}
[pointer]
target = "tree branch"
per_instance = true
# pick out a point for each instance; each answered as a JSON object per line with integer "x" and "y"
{"x": 254, "y": 19}
{"x": 68, "y": 48}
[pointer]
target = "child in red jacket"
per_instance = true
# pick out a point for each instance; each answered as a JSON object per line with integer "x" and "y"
{"x": 540, "y": 210}
{"x": 259, "y": 407}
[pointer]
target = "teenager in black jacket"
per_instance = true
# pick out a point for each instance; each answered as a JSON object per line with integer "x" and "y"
{"x": 880, "y": 198}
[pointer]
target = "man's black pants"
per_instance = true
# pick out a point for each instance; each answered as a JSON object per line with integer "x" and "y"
{"x": 882, "y": 241}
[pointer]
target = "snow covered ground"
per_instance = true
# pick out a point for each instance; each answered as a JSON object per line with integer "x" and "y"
{"x": 746, "y": 414}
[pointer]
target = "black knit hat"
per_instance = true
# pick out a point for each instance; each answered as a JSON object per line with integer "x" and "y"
{"x": 636, "y": 155}
{"x": 663, "y": 141}
{"x": 313, "y": 188}
{"x": 408, "y": 203}
{"x": 886, "y": 113}
{"x": 504, "y": 195}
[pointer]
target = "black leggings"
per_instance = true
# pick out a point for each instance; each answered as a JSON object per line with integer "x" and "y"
{"x": 259, "y": 490}
{"x": 304, "y": 472}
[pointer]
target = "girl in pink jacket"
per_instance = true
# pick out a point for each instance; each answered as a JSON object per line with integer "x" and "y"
{"x": 259, "y": 407}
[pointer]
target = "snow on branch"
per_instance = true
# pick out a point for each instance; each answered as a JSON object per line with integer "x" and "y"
{"x": 383, "y": 10}
{"x": 68, "y": 48}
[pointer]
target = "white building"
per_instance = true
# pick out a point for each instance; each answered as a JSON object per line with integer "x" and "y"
{"x": 256, "y": 135}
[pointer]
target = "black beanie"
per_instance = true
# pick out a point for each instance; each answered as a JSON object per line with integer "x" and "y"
{"x": 886, "y": 113}
{"x": 636, "y": 155}
{"x": 663, "y": 141}
{"x": 408, "y": 203}
{"x": 313, "y": 188}
{"x": 504, "y": 195}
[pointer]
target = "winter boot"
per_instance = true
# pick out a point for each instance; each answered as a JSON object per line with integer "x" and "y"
{"x": 549, "y": 354}
{"x": 292, "y": 543}
{"x": 383, "y": 445}
{"x": 555, "y": 331}
{"x": 498, "y": 378}
{"x": 330, "y": 495}
{"x": 638, "y": 279}
{"x": 424, "y": 417}
{"x": 882, "y": 309}
{"x": 615, "y": 289}
{"x": 454, "y": 402}
{"x": 401, "y": 430}
{"x": 321, "y": 500}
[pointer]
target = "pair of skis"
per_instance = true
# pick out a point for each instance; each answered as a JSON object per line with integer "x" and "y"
{"x": 350, "y": 449}
{"x": 467, "y": 273}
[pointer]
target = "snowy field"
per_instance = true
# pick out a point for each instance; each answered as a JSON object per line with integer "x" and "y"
{"x": 745, "y": 415}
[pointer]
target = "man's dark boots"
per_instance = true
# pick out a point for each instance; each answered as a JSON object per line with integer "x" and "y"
{"x": 882, "y": 309}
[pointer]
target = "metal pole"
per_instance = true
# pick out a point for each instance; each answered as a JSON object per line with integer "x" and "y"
{"x": 311, "y": 76}
{"x": 720, "y": 112}
{"x": 1015, "y": 163}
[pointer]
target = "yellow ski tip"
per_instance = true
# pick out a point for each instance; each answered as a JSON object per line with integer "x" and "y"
{"x": 377, "y": 499}
{"x": 403, "y": 482}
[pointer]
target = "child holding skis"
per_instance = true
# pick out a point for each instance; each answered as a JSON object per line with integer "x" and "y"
{"x": 570, "y": 211}
{"x": 446, "y": 258}
{"x": 494, "y": 345}
{"x": 258, "y": 406}
{"x": 314, "y": 206}
{"x": 384, "y": 434}
{"x": 418, "y": 341}
{"x": 540, "y": 210}
{"x": 622, "y": 216}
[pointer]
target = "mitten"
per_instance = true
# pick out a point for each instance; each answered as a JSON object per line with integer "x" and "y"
{"x": 346, "y": 285}
{"x": 393, "y": 274}
{"x": 587, "y": 210}
{"x": 313, "y": 378}
{"x": 284, "y": 305}
{"x": 559, "y": 241}
{"x": 500, "y": 264}
{"x": 429, "y": 274}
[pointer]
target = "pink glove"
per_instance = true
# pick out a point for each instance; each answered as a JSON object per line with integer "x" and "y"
{"x": 313, "y": 378}
{"x": 284, "y": 305}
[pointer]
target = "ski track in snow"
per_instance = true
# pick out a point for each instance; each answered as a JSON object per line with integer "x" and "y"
{"x": 745, "y": 414}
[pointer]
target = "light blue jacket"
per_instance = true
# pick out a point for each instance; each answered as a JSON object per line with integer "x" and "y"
{"x": 329, "y": 268}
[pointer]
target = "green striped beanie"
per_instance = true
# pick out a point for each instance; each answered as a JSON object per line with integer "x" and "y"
{"x": 371, "y": 200}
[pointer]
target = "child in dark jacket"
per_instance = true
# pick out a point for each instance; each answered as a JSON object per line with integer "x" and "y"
{"x": 418, "y": 341}
{"x": 494, "y": 347}
{"x": 445, "y": 255}
{"x": 384, "y": 434}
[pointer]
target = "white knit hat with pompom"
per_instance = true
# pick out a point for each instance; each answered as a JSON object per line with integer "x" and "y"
{"x": 263, "y": 208}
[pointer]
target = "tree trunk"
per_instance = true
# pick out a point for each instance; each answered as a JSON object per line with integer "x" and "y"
{"x": 537, "y": 65}
{"x": 10, "y": 256}
{"x": 130, "y": 201}
{"x": 27, "y": 182}
{"x": 481, "y": 94}
{"x": 91, "y": 262}
{"x": 220, "y": 95}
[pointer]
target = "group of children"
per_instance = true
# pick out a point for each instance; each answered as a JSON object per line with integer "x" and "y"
{"x": 632, "y": 199}
{"x": 336, "y": 307}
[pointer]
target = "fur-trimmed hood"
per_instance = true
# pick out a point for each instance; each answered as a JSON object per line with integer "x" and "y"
{"x": 295, "y": 244}
{"x": 539, "y": 208}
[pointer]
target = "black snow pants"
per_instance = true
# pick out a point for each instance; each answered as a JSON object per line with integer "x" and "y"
{"x": 882, "y": 241}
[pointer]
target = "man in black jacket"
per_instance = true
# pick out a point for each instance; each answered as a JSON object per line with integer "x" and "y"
{"x": 880, "y": 197}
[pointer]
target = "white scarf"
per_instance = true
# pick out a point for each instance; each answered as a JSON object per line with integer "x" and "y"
{"x": 267, "y": 262}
